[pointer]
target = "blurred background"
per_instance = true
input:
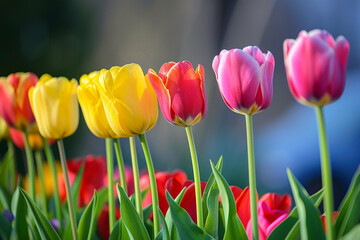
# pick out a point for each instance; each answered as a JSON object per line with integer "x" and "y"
{"x": 70, "y": 38}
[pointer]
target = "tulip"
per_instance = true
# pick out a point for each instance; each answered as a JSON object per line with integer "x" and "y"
{"x": 315, "y": 66}
{"x": 4, "y": 129}
{"x": 103, "y": 222}
{"x": 323, "y": 219}
{"x": 55, "y": 106}
{"x": 92, "y": 106}
{"x": 130, "y": 103}
{"x": 245, "y": 79}
{"x": 15, "y": 107}
{"x": 181, "y": 92}
{"x": 94, "y": 172}
{"x": 129, "y": 180}
{"x": 35, "y": 140}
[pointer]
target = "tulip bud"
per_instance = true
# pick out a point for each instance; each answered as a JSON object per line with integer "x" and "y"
{"x": 315, "y": 67}
{"x": 129, "y": 101}
{"x": 92, "y": 106}
{"x": 55, "y": 106}
{"x": 14, "y": 101}
{"x": 181, "y": 92}
{"x": 245, "y": 79}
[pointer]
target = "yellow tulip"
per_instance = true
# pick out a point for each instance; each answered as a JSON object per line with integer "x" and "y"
{"x": 4, "y": 129}
{"x": 92, "y": 106}
{"x": 55, "y": 106}
{"x": 129, "y": 100}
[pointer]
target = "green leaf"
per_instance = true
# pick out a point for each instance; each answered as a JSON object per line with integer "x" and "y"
{"x": 169, "y": 222}
{"x": 186, "y": 228}
{"x": 290, "y": 227}
{"x": 86, "y": 224}
{"x": 43, "y": 225}
{"x": 147, "y": 211}
{"x": 5, "y": 170}
{"x": 5, "y": 227}
{"x": 209, "y": 183}
{"x": 19, "y": 209}
{"x": 101, "y": 200}
{"x": 116, "y": 231}
{"x": 130, "y": 217}
{"x": 4, "y": 199}
{"x": 233, "y": 227}
{"x": 164, "y": 233}
{"x": 212, "y": 220}
{"x": 75, "y": 188}
{"x": 353, "y": 234}
{"x": 309, "y": 215}
{"x": 345, "y": 208}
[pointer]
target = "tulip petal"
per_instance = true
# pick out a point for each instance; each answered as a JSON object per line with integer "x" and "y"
{"x": 243, "y": 206}
{"x": 164, "y": 71}
{"x": 267, "y": 71}
{"x": 276, "y": 201}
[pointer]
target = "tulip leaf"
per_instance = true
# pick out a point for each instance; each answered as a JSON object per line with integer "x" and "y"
{"x": 310, "y": 224}
{"x": 4, "y": 170}
{"x": 212, "y": 220}
{"x": 353, "y": 234}
{"x": 43, "y": 225}
{"x": 164, "y": 233}
{"x": 290, "y": 227}
{"x": 19, "y": 209}
{"x": 102, "y": 198}
{"x": 116, "y": 231}
{"x": 75, "y": 189}
{"x": 186, "y": 228}
{"x": 147, "y": 211}
{"x": 233, "y": 227}
{"x": 86, "y": 224}
{"x": 5, "y": 227}
{"x": 130, "y": 217}
{"x": 4, "y": 199}
{"x": 208, "y": 186}
{"x": 169, "y": 222}
{"x": 345, "y": 209}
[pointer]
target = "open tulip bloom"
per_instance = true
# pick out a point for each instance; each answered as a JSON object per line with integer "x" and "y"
{"x": 122, "y": 102}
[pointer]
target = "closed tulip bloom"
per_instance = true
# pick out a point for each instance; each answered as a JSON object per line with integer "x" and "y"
{"x": 14, "y": 101}
{"x": 55, "y": 106}
{"x": 92, "y": 106}
{"x": 315, "y": 67}
{"x": 181, "y": 92}
{"x": 35, "y": 140}
{"x": 245, "y": 78}
{"x": 129, "y": 101}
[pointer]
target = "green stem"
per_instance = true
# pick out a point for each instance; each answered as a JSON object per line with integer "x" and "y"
{"x": 40, "y": 169}
{"x": 51, "y": 161}
{"x": 67, "y": 187}
{"x": 31, "y": 167}
{"x": 325, "y": 174}
{"x": 120, "y": 163}
{"x": 252, "y": 176}
{"x": 135, "y": 168}
{"x": 110, "y": 171}
{"x": 12, "y": 167}
{"x": 195, "y": 164}
{"x": 154, "y": 193}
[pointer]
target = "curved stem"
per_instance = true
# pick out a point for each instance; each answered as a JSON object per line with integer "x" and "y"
{"x": 252, "y": 176}
{"x": 120, "y": 163}
{"x": 51, "y": 161}
{"x": 325, "y": 174}
{"x": 110, "y": 171}
{"x": 154, "y": 193}
{"x": 40, "y": 169}
{"x": 135, "y": 168}
{"x": 31, "y": 167}
{"x": 67, "y": 187}
{"x": 195, "y": 165}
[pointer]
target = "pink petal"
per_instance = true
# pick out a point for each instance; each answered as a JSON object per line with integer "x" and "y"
{"x": 164, "y": 70}
{"x": 267, "y": 70}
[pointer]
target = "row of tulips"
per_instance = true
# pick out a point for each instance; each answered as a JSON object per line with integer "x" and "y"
{"x": 122, "y": 102}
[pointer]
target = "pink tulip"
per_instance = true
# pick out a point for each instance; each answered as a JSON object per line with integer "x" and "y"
{"x": 245, "y": 78}
{"x": 181, "y": 92}
{"x": 272, "y": 210}
{"x": 315, "y": 67}
{"x": 14, "y": 101}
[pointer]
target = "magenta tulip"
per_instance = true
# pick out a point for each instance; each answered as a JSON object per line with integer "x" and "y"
{"x": 315, "y": 67}
{"x": 181, "y": 92}
{"x": 245, "y": 78}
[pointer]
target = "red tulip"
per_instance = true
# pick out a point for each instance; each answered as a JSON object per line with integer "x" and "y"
{"x": 94, "y": 172}
{"x": 172, "y": 182}
{"x": 323, "y": 219}
{"x": 14, "y": 101}
{"x": 315, "y": 67}
{"x": 129, "y": 180}
{"x": 181, "y": 92}
{"x": 103, "y": 222}
{"x": 272, "y": 210}
{"x": 245, "y": 78}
